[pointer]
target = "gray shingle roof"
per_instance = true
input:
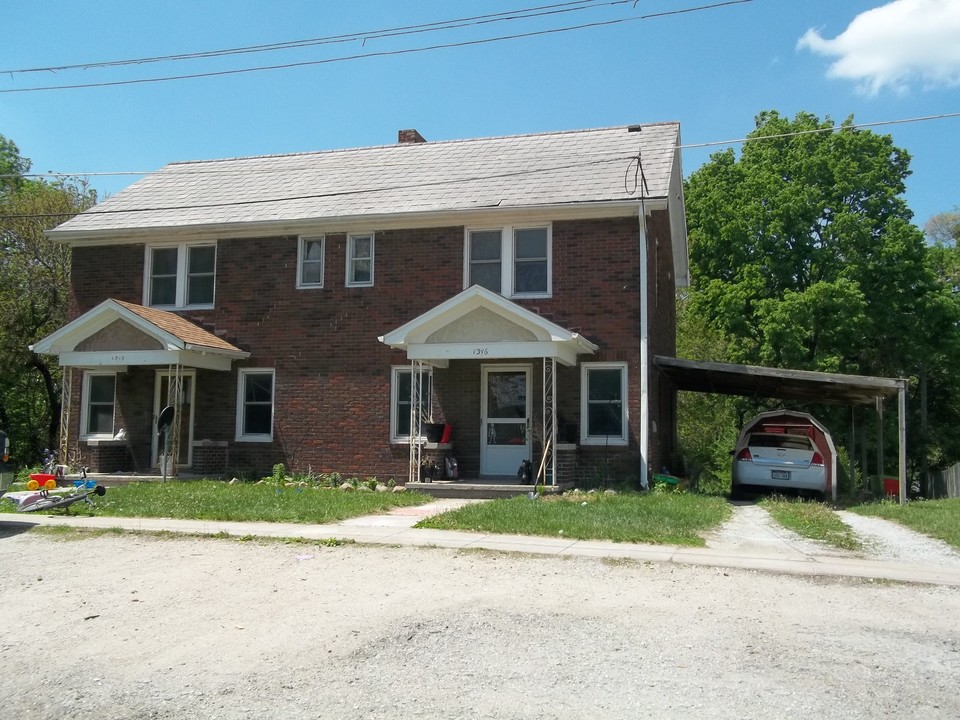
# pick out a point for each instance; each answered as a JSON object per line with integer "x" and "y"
{"x": 585, "y": 166}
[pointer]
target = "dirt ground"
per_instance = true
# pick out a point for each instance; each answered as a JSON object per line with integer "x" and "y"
{"x": 143, "y": 627}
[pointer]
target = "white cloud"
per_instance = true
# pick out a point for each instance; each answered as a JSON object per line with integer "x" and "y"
{"x": 896, "y": 45}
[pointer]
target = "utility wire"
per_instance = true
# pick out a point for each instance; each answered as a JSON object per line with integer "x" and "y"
{"x": 565, "y": 7}
{"x": 384, "y": 53}
{"x": 339, "y": 193}
{"x": 685, "y": 146}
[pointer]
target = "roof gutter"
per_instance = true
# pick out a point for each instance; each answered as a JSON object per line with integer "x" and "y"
{"x": 349, "y": 223}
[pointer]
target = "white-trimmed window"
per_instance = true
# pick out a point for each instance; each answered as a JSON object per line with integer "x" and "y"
{"x": 360, "y": 260}
{"x": 255, "y": 396}
{"x": 401, "y": 400}
{"x": 99, "y": 401}
{"x": 603, "y": 404}
{"x": 310, "y": 253}
{"x": 180, "y": 276}
{"x": 514, "y": 261}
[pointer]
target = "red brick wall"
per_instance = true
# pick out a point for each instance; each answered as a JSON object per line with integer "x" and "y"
{"x": 332, "y": 374}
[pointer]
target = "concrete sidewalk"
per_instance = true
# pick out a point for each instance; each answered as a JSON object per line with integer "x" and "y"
{"x": 396, "y": 528}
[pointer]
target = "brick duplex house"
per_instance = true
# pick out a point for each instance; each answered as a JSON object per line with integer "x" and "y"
{"x": 320, "y": 309}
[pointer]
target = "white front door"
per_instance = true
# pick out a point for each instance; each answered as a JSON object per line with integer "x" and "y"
{"x": 162, "y": 398}
{"x": 505, "y": 424}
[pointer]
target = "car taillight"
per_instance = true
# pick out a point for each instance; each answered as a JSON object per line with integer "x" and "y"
{"x": 745, "y": 455}
{"x": 817, "y": 459}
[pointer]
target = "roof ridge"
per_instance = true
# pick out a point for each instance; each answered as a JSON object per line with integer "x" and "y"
{"x": 429, "y": 143}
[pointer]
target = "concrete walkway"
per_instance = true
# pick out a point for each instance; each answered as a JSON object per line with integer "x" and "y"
{"x": 396, "y": 528}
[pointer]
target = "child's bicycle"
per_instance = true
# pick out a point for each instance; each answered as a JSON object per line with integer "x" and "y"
{"x": 46, "y": 491}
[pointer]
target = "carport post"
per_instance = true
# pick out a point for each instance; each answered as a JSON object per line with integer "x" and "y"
{"x": 902, "y": 420}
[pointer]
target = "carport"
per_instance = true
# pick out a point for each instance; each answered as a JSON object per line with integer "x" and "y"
{"x": 752, "y": 381}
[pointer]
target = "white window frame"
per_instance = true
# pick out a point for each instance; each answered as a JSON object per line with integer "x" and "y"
{"x": 183, "y": 254}
{"x": 585, "y": 438}
{"x": 395, "y": 372}
{"x": 508, "y": 260}
{"x": 301, "y": 258}
{"x": 351, "y": 245}
{"x": 85, "y": 407}
{"x": 241, "y": 404}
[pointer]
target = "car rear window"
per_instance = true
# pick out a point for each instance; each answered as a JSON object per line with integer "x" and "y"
{"x": 792, "y": 442}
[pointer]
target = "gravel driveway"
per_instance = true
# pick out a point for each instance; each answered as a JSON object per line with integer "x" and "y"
{"x": 143, "y": 627}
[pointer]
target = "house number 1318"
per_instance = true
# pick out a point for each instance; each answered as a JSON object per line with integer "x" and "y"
{"x": 481, "y": 351}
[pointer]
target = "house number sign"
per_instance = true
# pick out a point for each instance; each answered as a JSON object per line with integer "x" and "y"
{"x": 481, "y": 351}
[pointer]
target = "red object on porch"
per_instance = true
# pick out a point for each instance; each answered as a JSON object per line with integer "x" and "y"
{"x": 447, "y": 433}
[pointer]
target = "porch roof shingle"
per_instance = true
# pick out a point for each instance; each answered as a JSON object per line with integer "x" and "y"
{"x": 179, "y": 327}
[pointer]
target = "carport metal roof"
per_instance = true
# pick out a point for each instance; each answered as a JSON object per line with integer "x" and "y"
{"x": 750, "y": 380}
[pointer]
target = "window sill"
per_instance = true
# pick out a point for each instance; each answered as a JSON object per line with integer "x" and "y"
{"x": 604, "y": 442}
{"x": 425, "y": 445}
{"x": 103, "y": 441}
{"x": 180, "y": 308}
{"x": 255, "y": 439}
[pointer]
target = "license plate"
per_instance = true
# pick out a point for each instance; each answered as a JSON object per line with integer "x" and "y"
{"x": 779, "y": 474}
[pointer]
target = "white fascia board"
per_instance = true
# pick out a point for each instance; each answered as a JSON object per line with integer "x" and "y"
{"x": 356, "y": 223}
{"x": 492, "y": 351}
{"x": 66, "y": 338}
{"x": 207, "y": 350}
{"x": 127, "y": 358}
{"x": 450, "y": 310}
{"x": 678, "y": 223}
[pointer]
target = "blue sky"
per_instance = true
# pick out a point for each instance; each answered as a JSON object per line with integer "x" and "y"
{"x": 711, "y": 70}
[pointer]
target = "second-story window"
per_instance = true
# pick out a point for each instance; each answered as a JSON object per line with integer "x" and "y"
{"x": 513, "y": 261}
{"x": 180, "y": 276}
{"x": 360, "y": 260}
{"x": 310, "y": 263}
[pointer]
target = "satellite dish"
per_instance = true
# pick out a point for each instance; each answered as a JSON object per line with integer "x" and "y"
{"x": 165, "y": 419}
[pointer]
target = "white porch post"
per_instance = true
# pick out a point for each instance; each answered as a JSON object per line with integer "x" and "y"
{"x": 66, "y": 395}
{"x": 549, "y": 459}
{"x": 416, "y": 419}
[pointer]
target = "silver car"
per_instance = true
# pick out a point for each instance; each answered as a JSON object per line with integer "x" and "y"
{"x": 778, "y": 460}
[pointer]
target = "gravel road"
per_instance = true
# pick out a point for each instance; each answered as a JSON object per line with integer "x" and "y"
{"x": 144, "y": 627}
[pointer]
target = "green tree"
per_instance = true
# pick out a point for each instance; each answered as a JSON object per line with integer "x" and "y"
{"x": 803, "y": 255}
{"x": 34, "y": 294}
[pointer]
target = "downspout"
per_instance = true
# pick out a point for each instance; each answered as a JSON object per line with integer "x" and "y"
{"x": 644, "y": 352}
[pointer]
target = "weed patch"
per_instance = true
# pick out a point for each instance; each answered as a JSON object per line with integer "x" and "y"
{"x": 667, "y": 518}
{"x": 812, "y": 520}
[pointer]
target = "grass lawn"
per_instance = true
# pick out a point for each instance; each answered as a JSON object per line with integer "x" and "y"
{"x": 217, "y": 500}
{"x": 813, "y": 520}
{"x": 936, "y": 518}
{"x": 669, "y": 518}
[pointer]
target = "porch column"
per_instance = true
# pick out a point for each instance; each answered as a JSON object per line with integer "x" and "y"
{"x": 66, "y": 395}
{"x": 174, "y": 399}
{"x": 416, "y": 419}
{"x": 549, "y": 459}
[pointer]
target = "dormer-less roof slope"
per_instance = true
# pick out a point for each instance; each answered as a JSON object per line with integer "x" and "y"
{"x": 417, "y": 179}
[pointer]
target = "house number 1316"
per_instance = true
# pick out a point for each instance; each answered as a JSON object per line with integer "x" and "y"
{"x": 481, "y": 351}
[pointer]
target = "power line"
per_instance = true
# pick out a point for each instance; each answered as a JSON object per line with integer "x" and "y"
{"x": 855, "y": 126}
{"x": 339, "y": 193}
{"x": 685, "y": 146}
{"x": 363, "y": 36}
{"x": 384, "y": 53}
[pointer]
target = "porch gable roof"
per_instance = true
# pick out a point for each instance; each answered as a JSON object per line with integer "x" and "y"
{"x": 478, "y": 324}
{"x": 141, "y": 336}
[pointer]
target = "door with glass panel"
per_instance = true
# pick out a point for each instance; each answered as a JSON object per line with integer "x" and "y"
{"x": 505, "y": 426}
{"x": 162, "y": 398}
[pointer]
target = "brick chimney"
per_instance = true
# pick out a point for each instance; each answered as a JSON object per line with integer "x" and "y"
{"x": 405, "y": 137}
